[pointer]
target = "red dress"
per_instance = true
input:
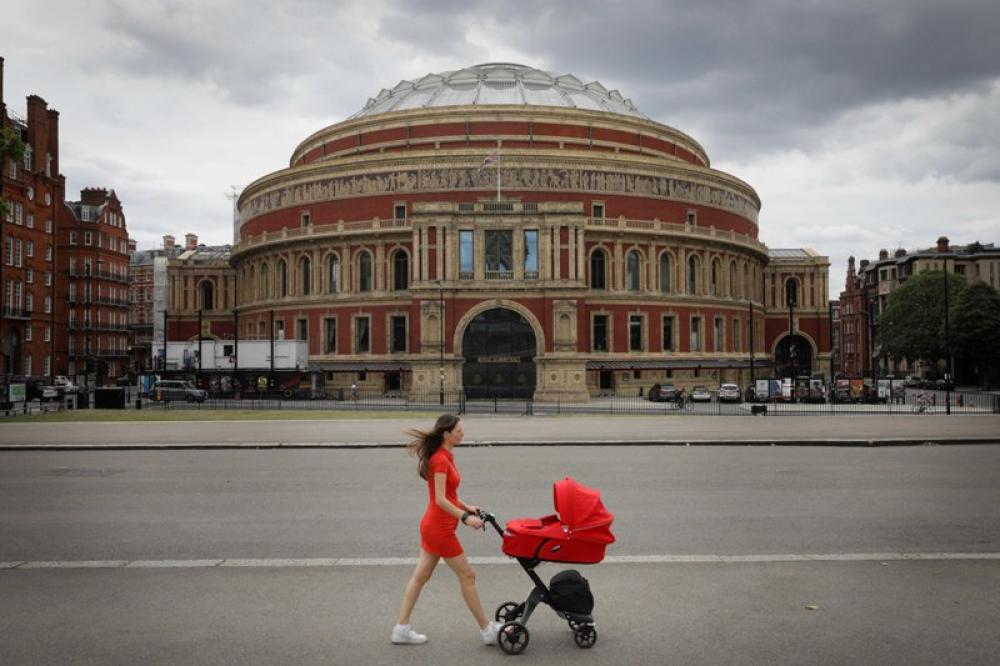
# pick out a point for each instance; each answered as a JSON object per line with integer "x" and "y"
{"x": 437, "y": 528}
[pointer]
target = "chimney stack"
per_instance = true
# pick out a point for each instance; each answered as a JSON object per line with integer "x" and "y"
{"x": 38, "y": 131}
{"x": 168, "y": 242}
{"x": 900, "y": 252}
{"x": 53, "y": 146}
{"x": 883, "y": 254}
{"x": 942, "y": 244}
{"x": 93, "y": 196}
{"x": 864, "y": 264}
{"x": 190, "y": 241}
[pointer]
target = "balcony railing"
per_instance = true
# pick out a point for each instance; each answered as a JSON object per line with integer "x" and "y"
{"x": 499, "y": 275}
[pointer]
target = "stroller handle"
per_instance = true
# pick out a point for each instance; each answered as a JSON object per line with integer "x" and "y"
{"x": 488, "y": 517}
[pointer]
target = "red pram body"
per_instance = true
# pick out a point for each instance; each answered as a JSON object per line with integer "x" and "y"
{"x": 578, "y": 532}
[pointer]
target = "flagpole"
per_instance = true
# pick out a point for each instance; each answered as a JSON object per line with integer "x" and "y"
{"x": 498, "y": 170}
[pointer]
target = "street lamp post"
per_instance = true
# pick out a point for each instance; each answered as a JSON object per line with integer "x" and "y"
{"x": 441, "y": 348}
{"x": 199, "y": 347}
{"x": 947, "y": 345}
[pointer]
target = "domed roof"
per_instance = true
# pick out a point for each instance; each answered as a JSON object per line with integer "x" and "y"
{"x": 498, "y": 83}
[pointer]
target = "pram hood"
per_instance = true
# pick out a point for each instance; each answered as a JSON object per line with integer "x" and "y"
{"x": 581, "y": 511}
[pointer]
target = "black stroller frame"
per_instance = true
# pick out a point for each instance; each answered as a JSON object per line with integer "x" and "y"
{"x": 513, "y": 635}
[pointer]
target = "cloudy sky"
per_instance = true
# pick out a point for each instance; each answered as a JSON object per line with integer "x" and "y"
{"x": 862, "y": 125}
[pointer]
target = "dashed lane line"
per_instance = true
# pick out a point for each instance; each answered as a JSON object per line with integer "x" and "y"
{"x": 293, "y": 563}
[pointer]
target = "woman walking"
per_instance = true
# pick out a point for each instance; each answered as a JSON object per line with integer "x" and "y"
{"x": 437, "y": 529}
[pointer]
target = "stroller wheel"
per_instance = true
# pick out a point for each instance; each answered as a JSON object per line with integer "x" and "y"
{"x": 585, "y": 636}
{"x": 508, "y": 611}
{"x": 513, "y": 638}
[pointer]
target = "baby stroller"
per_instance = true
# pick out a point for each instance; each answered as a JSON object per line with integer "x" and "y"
{"x": 578, "y": 532}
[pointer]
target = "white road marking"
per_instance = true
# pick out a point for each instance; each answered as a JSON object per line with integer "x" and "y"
{"x": 294, "y": 563}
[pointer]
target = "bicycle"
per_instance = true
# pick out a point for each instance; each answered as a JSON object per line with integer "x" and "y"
{"x": 922, "y": 404}
{"x": 683, "y": 402}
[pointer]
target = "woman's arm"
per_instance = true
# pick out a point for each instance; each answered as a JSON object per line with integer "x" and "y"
{"x": 440, "y": 498}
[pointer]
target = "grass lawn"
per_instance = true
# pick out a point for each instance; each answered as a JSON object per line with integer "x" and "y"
{"x": 130, "y": 415}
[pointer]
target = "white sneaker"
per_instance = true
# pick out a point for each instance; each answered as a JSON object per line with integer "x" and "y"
{"x": 489, "y": 634}
{"x": 402, "y": 634}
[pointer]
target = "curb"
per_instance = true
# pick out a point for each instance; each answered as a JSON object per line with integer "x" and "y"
{"x": 843, "y": 443}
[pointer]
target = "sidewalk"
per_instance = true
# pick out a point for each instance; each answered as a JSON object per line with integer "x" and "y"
{"x": 901, "y": 430}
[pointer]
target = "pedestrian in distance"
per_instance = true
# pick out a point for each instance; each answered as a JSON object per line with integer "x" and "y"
{"x": 354, "y": 391}
{"x": 436, "y": 464}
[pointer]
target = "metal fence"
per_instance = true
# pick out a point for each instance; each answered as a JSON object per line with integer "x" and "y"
{"x": 912, "y": 402}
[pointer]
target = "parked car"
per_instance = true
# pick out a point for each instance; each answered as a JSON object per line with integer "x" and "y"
{"x": 64, "y": 384}
{"x": 172, "y": 389}
{"x": 701, "y": 394}
{"x": 943, "y": 385}
{"x": 729, "y": 393}
{"x": 662, "y": 392}
{"x": 912, "y": 381}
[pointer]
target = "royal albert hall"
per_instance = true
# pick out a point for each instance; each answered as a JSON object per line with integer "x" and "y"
{"x": 610, "y": 255}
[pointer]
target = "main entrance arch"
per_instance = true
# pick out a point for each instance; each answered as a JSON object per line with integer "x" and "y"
{"x": 499, "y": 348}
{"x": 793, "y": 357}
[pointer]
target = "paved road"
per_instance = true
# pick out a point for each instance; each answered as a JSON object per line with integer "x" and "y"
{"x": 799, "y": 514}
{"x": 517, "y": 430}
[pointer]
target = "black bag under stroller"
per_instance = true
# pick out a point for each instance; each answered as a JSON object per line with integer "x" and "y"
{"x": 570, "y": 592}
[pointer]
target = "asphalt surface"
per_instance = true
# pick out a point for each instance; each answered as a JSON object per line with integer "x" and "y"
{"x": 820, "y": 554}
{"x": 500, "y": 430}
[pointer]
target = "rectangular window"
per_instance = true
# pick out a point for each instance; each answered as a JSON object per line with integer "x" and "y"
{"x": 635, "y": 333}
{"x": 600, "y": 332}
{"x": 692, "y": 217}
{"x": 668, "y": 334}
{"x": 303, "y": 329}
{"x": 695, "y": 333}
{"x": 398, "y": 334}
{"x": 48, "y": 226}
{"x": 29, "y": 276}
{"x": 27, "y": 364}
{"x": 88, "y": 238}
{"x": 261, "y": 331}
{"x": 362, "y": 335}
{"x": 48, "y": 278}
{"x": 330, "y": 339}
{"x": 47, "y": 365}
{"x": 31, "y": 221}
{"x": 467, "y": 262}
{"x": 531, "y": 254}
{"x": 736, "y": 335}
{"x": 279, "y": 329}
{"x": 597, "y": 211}
{"x": 306, "y": 219}
{"x": 72, "y": 238}
{"x": 9, "y": 251}
{"x": 717, "y": 337}
{"x": 399, "y": 211}
{"x": 31, "y": 248}
{"x": 48, "y": 253}
{"x": 499, "y": 254}
{"x": 19, "y": 254}
{"x": 28, "y": 333}
{"x": 48, "y": 305}
{"x": 29, "y": 300}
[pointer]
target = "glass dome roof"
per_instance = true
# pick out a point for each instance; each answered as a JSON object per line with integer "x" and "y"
{"x": 498, "y": 83}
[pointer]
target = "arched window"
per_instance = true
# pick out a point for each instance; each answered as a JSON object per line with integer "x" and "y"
{"x": 207, "y": 295}
{"x": 282, "y": 279}
{"x": 333, "y": 274}
{"x": 365, "y": 272}
{"x": 747, "y": 293}
{"x": 250, "y": 282}
{"x": 598, "y": 268}
{"x": 265, "y": 291}
{"x": 733, "y": 292}
{"x": 715, "y": 277}
{"x": 305, "y": 273}
{"x": 665, "y": 273}
{"x": 791, "y": 291}
{"x": 692, "y": 274}
{"x": 400, "y": 271}
{"x": 632, "y": 271}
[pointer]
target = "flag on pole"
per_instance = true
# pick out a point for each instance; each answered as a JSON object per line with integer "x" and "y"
{"x": 492, "y": 158}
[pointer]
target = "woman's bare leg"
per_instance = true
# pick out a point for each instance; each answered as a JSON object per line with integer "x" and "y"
{"x": 422, "y": 574}
{"x": 467, "y": 579}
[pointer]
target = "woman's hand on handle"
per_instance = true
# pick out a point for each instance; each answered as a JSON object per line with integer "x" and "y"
{"x": 475, "y": 522}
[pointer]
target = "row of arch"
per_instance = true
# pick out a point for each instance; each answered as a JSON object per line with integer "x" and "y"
{"x": 298, "y": 279}
{"x": 635, "y": 275}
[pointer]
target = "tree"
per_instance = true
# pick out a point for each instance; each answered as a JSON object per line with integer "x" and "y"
{"x": 11, "y": 148}
{"x": 912, "y": 325}
{"x": 975, "y": 322}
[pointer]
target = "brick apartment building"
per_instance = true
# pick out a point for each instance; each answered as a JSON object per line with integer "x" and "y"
{"x": 93, "y": 278}
{"x": 33, "y": 190}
